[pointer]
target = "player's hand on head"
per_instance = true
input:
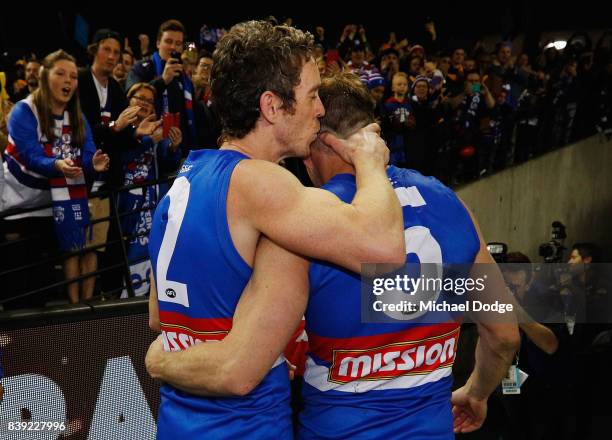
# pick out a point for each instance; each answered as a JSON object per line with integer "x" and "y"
{"x": 365, "y": 144}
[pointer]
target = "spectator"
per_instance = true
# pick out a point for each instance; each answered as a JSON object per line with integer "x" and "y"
{"x": 376, "y": 85}
{"x": 140, "y": 165}
{"x": 32, "y": 72}
{"x": 456, "y": 72}
{"x": 421, "y": 137}
{"x": 545, "y": 355}
{"x": 501, "y": 71}
{"x": 359, "y": 66}
{"x": 120, "y": 74}
{"x": 470, "y": 108}
{"x": 19, "y": 84}
{"x": 389, "y": 64}
{"x": 112, "y": 124}
{"x": 319, "y": 38}
{"x": 50, "y": 137}
{"x": 352, "y": 36}
{"x": 565, "y": 95}
{"x": 201, "y": 78}
{"x": 497, "y": 134}
{"x": 529, "y": 113}
{"x": 444, "y": 65}
{"x": 127, "y": 59}
{"x": 174, "y": 88}
{"x": 145, "y": 50}
{"x": 522, "y": 75}
{"x": 397, "y": 119}
{"x": 416, "y": 68}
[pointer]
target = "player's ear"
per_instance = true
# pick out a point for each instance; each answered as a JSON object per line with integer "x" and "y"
{"x": 270, "y": 106}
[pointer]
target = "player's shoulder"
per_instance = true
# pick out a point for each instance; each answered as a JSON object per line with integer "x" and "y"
{"x": 256, "y": 173}
{"x": 428, "y": 186}
{"x": 405, "y": 176}
{"x": 264, "y": 185}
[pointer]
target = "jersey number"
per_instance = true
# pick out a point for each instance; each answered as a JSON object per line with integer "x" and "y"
{"x": 168, "y": 290}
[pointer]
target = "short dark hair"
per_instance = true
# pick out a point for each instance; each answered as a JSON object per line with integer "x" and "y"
{"x": 348, "y": 104}
{"x": 170, "y": 25}
{"x": 100, "y": 36}
{"x": 588, "y": 250}
{"x": 252, "y": 58}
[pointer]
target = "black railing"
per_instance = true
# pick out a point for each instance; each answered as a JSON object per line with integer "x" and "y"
{"x": 8, "y": 247}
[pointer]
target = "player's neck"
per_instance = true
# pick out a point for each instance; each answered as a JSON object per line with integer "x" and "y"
{"x": 255, "y": 146}
{"x": 339, "y": 167}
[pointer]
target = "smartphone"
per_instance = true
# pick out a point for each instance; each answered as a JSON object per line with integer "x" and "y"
{"x": 476, "y": 88}
{"x": 167, "y": 123}
{"x": 176, "y": 55}
{"x": 170, "y": 120}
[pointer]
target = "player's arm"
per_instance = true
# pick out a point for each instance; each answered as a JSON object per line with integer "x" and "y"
{"x": 314, "y": 222}
{"x": 495, "y": 350}
{"x": 267, "y": 315}
{"x": 153, "y": 307}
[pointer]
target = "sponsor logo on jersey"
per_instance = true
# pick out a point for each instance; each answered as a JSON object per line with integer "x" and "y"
{"x": 181, "y": 331}
{"x": 394, "y": 360}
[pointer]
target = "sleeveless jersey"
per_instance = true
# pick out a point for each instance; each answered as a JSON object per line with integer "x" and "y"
{"x": 200, "y": 276}
{"x": 387, "y": 380}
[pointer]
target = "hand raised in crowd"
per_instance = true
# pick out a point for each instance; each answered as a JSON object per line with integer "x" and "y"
{"x": 430, "y": 27}
{"x": 173, "y": 69}
{"x": 320, "y": 30}
{"x": 126, "y": 45}
{"x": 365, "y": 144}
{"x": 127, "y": 117}
{"x": 157, "y": 135}
{"x": 67, "y": 168}
{"x": 362, "y": 32}
{"x": 148, "y": 126}
{"x": 100, "y": 161}
{"x": 176, "y": 137}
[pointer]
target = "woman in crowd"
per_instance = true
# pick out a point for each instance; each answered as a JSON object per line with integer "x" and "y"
{"x": 157, "y": 153}
{"x": 49, "y": 152}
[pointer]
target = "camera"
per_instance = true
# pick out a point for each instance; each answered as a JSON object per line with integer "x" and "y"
{"x": 553, "y": 250}
{"x": 498, "y": 251}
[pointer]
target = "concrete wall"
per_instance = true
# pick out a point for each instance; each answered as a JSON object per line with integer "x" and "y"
{"x": 572, "y": 185}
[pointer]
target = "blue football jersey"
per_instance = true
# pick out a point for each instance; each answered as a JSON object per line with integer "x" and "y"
{"x": 385, "y": 380}
{"x": 200, "y": 276}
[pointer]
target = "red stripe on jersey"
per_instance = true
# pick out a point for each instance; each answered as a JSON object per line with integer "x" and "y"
{"x": 324, "y": 347}
{"x": 195, "y": 325}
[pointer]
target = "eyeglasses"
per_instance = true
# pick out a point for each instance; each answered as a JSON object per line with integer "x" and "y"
{"x": 144, "y": 100}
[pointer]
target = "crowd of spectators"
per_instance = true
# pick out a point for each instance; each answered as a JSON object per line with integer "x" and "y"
{"x": 452, "y": 111}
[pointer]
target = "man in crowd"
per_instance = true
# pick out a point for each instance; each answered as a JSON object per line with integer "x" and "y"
{"x": 105, "y": 107}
